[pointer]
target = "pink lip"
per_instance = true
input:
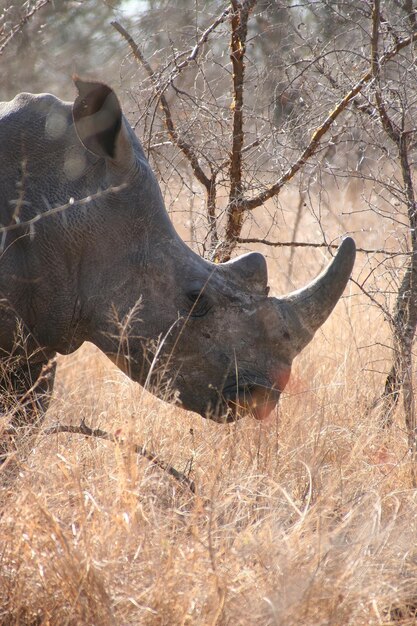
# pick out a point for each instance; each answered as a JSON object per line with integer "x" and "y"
{"x": 263, "y": 411}
{"x": 260, "y": 410}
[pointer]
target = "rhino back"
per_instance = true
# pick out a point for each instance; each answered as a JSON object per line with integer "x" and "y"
{"x": 44, "y": 165}
{"x": 60, "y": 269}
{"x": 44, "y": 162}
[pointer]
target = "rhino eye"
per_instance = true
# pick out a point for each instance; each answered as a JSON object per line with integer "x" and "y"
{"x": 198, "y": 303}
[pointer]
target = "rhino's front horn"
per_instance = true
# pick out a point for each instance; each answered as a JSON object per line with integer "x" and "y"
{"x": 312, "y": 305}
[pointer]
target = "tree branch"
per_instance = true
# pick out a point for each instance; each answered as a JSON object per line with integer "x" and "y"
{"x": 24, "y": 20}
{"x": 183, "y": 145}
{"x": 306, "y": 244}
{"x": 234, "y": 211}
{"x": 16, "y": 224}
{"x": 404, "y": 320}
{"x": 318, "y": 134}
{"x": 83, "y": 429}
{"x": 195, "y": 51}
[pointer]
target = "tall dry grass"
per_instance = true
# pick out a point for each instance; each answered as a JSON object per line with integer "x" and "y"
{"x": 309, "y": 519}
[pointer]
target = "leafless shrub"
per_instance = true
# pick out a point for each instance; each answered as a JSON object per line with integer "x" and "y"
{"x": 245, "y": 136}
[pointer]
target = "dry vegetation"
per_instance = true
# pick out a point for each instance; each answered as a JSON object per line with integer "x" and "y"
{"x": 309, "y": 519}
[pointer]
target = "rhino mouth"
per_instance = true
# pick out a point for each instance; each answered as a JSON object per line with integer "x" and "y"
{"x": 255, "y": 397}
{"x": 250, "y": 395}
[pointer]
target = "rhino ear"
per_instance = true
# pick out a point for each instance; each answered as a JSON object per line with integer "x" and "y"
{"x": 99, "y": 122}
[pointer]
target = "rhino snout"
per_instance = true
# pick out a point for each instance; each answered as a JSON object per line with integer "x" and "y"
{"x": 254, "y": 395}
{"x": 256, "y": 400}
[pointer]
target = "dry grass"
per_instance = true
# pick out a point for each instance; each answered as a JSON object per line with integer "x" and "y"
{"x": 310, "y": 519}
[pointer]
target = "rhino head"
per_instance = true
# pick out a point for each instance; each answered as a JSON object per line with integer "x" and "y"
{"x": 113, "y": 270}
{"x": 209, "y": 331}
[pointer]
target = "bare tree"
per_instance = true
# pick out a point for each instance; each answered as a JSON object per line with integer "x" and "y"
{"x": 342, "y": 97}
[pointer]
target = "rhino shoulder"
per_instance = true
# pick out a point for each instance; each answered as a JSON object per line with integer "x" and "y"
{"x": 30, "y": 104}
{"x": 35, "y": 112}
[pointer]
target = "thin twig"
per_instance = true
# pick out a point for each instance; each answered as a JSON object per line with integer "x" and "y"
{"x": 83, "y": 429}
{"x": 24, "y": 20}
{"x": 183, "y": 145}
{"x": 16, "y": 224}
{"x": 297, "y": 221}
{"x": 371, "y": 298}
{"x": 306, "y": 244}
{"x": 208, "y": 182}
{"x": 195, "y": 51}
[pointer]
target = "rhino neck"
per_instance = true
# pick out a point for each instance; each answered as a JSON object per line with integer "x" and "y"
{"x": 127, "y": 283}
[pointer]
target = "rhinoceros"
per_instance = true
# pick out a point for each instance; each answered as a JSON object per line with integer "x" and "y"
{"x": 88, "y": 253}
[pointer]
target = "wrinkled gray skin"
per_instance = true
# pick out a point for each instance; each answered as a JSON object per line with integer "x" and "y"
{"x": 224, "y": 345}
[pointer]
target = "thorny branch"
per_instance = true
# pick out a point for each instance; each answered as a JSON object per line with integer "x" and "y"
{"x": 195, "y": 51}
{"x": 306, "y": 244}
{"x": 83, "y": 429}
{"x": 5, "y": 39}
{"x": 319, "y": 133}
{"x": 208, "y": 182}
{"x": 17, "y": 224}
{"x": 238, "y": 203}
{"x": 183, "y": 145}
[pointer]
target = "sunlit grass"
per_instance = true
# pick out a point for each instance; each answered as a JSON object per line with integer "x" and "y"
{"x": 308, "y": 519}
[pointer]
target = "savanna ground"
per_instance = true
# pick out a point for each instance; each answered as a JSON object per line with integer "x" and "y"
{"x": 307, "y": 519}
